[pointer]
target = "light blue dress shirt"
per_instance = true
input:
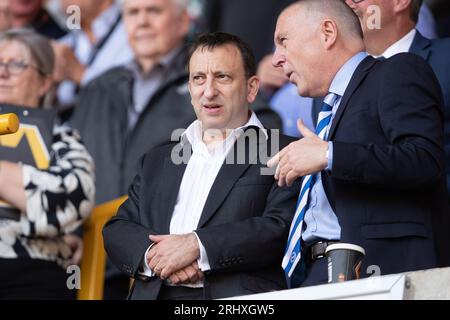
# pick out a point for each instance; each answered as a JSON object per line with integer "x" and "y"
{"x": 291, "y": 107}
{"x": 320, "y": 220}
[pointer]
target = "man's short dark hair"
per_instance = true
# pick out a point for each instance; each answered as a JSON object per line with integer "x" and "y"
{"x": 415, "y": 9}
{"x": 218, "y": 39}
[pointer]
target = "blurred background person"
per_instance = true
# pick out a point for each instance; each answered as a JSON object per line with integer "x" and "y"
{"x": 5, "y": 15}
{"x": 399, "y": 33}
{"x": 52, "y": 202}
{"x": 86, "y": 53}
{"x": 33, "y": 14}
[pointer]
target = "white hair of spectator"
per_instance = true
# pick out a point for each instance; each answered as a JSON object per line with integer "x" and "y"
{"x": 180, "y": 4}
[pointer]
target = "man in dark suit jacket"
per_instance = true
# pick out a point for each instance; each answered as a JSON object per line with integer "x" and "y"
{"x": 202, "y": 220}
{"x": 381, "y": 166}
{"x": 399, "y": 34}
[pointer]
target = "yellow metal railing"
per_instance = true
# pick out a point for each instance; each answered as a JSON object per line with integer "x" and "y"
{"x": 94, "y": 255}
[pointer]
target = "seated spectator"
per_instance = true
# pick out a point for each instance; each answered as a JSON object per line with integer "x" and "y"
{"x": 51, "y": 203}
{"x": 32, "y": 14}
{"x": 216, "y": 225}
{"x": 86, "y": 53}
{"x": 131, "y": 109}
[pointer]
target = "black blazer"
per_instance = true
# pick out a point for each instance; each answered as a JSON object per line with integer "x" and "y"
{"x": 435, "y": 52}
{"x": 387, "y": 184}
{"x": 244, "y": 225}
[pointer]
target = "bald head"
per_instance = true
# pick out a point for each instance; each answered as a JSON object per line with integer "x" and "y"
{"x": 314, "y": 39}
{"x": 316, "y": 10}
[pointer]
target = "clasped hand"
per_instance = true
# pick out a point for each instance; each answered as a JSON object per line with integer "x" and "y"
{"x": 174, "y": 257}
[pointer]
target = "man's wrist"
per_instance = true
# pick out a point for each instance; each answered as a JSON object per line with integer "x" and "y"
{"x": 194, "y": 243}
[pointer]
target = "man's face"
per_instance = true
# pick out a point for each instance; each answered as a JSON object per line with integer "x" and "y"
{"x": 25, "y": 7}
{"x": 365, "y": 12}
{"x": 219, "y": 89}
{"x": 154, "y": 27}
{"x": 298, "y": 52}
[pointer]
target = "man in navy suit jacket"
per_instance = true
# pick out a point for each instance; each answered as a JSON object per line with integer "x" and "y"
{"x": 382, "y": 166}
{"x": 398, "y": 34}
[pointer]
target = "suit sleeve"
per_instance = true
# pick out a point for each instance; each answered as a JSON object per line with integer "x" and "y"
{"x": 410, "y": 113}
{"x": 256, "y": 242}
{"x": 126, "y": 240}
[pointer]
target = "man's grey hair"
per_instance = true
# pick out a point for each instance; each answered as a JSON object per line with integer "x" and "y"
{"x": 180, "y": 4}
{"x": 337, "y": 10}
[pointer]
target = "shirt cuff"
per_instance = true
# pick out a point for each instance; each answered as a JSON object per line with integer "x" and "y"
{"x": 145, "y": 267}
{"x": 203, "y": 261}
{"x": 330, "y": 156}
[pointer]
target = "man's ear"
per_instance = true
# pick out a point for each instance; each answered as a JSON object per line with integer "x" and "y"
{"x": 401, "y": 5}
{"x": 328, "y": 33}
{"x": 253, "y": 88}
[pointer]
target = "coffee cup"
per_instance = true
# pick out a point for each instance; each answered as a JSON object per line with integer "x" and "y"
{"x": 344, "y": 262}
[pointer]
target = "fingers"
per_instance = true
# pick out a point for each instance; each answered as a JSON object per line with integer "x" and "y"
{"x": 182, "y": 276}
{"x": 189, "y": 275}
{"x": 155, "y": 238}
{"x": 274, "y": 161}
{"x": 167, "y": 271}
{"x": 291, "y": 177}
{"x": 192, "y": 274}
{"x": 174, "y": 279}
{"x": 304, "y": 130}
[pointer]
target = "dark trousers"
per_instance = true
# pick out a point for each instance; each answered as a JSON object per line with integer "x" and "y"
{"x": 28, "y": 279}
{"x": 180, "y": 293}
{"x": 315, "y": 272}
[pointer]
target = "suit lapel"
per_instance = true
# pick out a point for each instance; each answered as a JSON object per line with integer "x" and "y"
{"x": 173, "y": 176}
{"x": 421, "y": 46}
{"x": 359, "y": 75}
{"x": 228, "y": 175}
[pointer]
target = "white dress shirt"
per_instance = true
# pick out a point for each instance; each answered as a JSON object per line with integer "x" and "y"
{"x": 198, "y": 179}
{"x": 402, "y": 45}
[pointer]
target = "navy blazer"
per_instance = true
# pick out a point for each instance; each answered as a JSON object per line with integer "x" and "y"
{"x": 387, "y": 186}
{"x": 436, "y": 53}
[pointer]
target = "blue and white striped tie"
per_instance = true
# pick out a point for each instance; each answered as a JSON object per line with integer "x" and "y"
{"x": 293, "y": 249}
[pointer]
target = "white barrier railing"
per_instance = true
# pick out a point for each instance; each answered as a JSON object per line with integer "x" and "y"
{"x": 428, "y": 284}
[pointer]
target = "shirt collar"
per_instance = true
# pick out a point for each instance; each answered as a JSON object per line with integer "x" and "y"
{"x": 402, "y": 45}
{"x": 165, "y": 62}
{"x": 344, "y": 75}
{"x": 193, "y": 133}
